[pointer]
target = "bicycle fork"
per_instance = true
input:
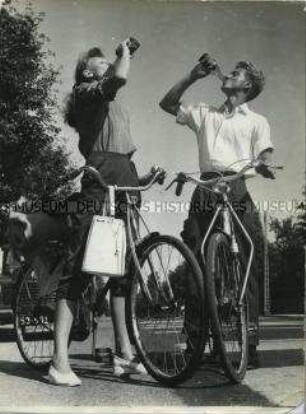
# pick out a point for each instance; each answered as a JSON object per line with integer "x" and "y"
{"x": 134, "y": 254}
{"x": 225, "y": 211}
{"x": 155, "y": 276}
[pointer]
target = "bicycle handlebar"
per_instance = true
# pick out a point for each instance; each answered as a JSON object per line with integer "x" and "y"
{"x": 182, "y": 177}
{"x": 158, "y": 176}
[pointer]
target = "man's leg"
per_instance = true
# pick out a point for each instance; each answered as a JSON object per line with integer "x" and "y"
{"x": 252, "y": 224}
{"x": 199, "y": 217}
{"x": 246, "y": 211}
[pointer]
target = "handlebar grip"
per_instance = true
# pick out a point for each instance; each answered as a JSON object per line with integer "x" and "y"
{"x": 161, "y": 179}
{"x": 179, "y": 188}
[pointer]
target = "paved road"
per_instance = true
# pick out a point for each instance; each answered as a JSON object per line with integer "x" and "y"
{"x": 278, "y": 383}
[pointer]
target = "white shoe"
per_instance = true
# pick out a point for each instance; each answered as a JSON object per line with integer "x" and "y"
{"x": 67, "y": 380}
{"x": 122, "y": 366}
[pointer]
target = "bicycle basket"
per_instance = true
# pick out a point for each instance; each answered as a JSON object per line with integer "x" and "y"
{"x": 105, "y": 248}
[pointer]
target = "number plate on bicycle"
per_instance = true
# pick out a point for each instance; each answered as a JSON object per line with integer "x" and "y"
{"x": 105, "y": 247}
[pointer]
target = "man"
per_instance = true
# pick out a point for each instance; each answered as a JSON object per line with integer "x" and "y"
{"x": 227, "y": 137}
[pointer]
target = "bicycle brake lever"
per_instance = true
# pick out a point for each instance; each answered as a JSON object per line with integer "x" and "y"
{"x": 179, "y": 188}
{"x": 171, "y": 184}
{"x": 181, "y": 179}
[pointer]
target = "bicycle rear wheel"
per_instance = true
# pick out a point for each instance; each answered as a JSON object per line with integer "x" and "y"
{"x": 34, "y": 321}
{"x": 228, "y": 318}
{"x": 168, "y": 329}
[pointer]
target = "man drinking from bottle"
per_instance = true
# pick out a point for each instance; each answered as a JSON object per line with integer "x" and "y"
{"x": 227, "y": 137}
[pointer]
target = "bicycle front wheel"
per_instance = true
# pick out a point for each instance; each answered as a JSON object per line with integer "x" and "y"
{"x": 166, "y": 310}
{"x": 34, "y": 321}
{"x": 228, "y": 318}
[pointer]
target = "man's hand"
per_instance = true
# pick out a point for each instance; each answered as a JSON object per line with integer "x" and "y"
{"x": 171, "y": 101}
{"x": 263, "y": 164}
{"x": 264, "y": 170}
{"x": 204, "y": 67}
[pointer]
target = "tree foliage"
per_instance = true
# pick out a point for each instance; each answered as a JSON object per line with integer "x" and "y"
{"x": 301, "y": 223}
{"x": 287, "y": 258}
{"x": 32, "y": 163}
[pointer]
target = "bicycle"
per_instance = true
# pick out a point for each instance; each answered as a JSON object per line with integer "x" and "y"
{"x": 227, "y": 272}
{"x": 164, "y": 276}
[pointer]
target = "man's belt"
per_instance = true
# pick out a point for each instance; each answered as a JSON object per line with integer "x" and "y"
{"x": 214, "y": 174}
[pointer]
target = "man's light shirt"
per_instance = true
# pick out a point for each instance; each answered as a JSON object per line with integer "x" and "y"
{"x": 224, "y": 139}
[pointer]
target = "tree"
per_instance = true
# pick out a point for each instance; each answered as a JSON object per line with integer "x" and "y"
{"x": 32, "y": 163}
{"x": 301, "y": 223}
{"x": 286, "y": 255}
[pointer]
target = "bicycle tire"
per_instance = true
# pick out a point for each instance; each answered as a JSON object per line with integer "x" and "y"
{"x": 33, "y": 321}
{"x": 28, "y": 307}
{"x": 228, "y": 319}
{"x": 168, "y": 333}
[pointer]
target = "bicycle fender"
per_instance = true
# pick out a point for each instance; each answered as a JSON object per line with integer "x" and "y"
{"x": 143, "y": 242}
{"x": 220, "y": 230}
{"x": 141, "y": 246}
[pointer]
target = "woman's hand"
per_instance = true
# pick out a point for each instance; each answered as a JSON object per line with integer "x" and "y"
{"x": 122, "y": 50}
{"x": 156, "y": 172}
{"x": 122, "y": 64}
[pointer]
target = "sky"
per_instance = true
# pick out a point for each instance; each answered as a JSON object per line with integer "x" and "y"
{"x": 173, "y": 35}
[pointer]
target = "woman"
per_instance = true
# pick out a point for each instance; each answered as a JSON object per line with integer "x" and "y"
{"x": 105, "y": 142}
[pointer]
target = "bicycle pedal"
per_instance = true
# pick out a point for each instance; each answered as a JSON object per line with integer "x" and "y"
{"x": 103, "y": 355}
{"x": 79, "y": 333}
{"x": 44, "y": 310}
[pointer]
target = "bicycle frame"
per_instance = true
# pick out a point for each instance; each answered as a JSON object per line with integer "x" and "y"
{"x": 226, "y": 210}
{"x": 133, "y": 227}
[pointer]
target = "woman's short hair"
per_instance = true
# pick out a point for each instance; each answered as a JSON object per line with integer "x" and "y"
{"x": 82, "y": 63}
{"x": 256, "y": 77}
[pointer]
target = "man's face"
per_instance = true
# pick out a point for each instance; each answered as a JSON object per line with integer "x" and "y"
{"x": 237, "y": 80}
{"x": 98, "y": 66}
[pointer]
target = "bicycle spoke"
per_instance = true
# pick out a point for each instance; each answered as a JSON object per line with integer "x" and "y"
{"x": 230, "y": 315}
{"x": 163, "y": 327}
{"x": 34, "y": 328}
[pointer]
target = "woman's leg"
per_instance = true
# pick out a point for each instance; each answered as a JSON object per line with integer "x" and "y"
{"x": 68, "y": 293}
{"x": 122, "y": 341}
{"x": 63, "y": 323}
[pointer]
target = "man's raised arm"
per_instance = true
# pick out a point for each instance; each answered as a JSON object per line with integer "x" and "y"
{"x": 171, "y": 101}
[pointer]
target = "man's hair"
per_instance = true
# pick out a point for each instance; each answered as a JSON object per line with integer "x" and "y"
{"x": 83, "y": 61}
{"x": 256, "y": 77}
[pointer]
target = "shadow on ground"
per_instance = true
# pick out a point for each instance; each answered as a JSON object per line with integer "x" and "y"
{"x": 21, "y": 370}
{"x": 208, "y": 387}
{"x": 278, "y": 358}
{"x": 7, "y": 334}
